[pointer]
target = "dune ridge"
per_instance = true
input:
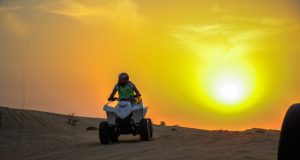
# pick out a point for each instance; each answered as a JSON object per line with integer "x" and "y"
{"x": 33, "y": 135}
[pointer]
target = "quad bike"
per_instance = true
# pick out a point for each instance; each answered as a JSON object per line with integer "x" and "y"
{"x": 125, "y": 118}
{"x": 289, "y": 144}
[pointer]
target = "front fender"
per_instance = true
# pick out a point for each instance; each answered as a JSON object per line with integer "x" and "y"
{"x": 110, "y": 113}
{"x": 139, "y": 112}
{"x": 108, "y": 108}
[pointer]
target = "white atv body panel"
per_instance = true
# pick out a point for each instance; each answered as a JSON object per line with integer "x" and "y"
{"x": 139, "y": 112}
{"x": 108, "y": 108}
{"x": 110, "y": 113}
{"x": 123, "y": 109}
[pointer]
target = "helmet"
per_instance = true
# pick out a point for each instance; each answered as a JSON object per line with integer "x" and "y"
{"x": 123, "y": 78}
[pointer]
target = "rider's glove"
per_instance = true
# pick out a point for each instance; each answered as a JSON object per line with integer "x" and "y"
{"x": 111, "y": 99}
{"x": 137, "y": 96}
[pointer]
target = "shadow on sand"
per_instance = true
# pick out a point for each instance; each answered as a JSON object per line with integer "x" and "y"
{"x": 130, "y": 141}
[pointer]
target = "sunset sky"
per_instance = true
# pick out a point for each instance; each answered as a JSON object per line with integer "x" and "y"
{"x": 218, "y": 64}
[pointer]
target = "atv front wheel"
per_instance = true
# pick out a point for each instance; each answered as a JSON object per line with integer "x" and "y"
{"x": 151, "y": 129}
{"x": 145, "y": 129}
{"x": 114, "y": 137}
{"x": 289, "y": 143}
{"x": 104, "y": 133}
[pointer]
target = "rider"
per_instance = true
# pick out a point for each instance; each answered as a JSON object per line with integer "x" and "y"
{"x": 126, "y": 90}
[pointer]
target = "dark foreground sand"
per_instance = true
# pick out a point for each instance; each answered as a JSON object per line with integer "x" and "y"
{"x": 39, "y": 135}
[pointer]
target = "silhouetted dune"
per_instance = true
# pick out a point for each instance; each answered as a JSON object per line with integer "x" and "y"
{"x": 29, "y": 119}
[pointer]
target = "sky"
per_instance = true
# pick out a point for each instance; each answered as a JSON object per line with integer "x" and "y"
{"x": 218, "y": 64}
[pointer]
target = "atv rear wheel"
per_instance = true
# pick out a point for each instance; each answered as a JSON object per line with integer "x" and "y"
{"x": 289, "y": 143}
{"x": 104, "y": 133}
{"x": 145, "y": 129}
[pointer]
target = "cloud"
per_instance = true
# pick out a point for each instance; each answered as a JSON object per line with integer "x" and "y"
{"x": 263, "y": 21}
{"x": 11, "y": 22}
{"x": 6, "y": 8}
{"x": 215, "y": 46}
{"x": 202, "y": 29}
{"x": 122, "y": 12}
{"x": 231, "y": 37}
{"x": 71, "y": 8}
{"x": 217, "y": 8}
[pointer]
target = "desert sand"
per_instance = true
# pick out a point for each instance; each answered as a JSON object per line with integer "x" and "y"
{"x": 32, "y": 135}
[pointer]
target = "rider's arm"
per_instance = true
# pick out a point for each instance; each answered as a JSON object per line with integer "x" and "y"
{"x": 112, "y": 95}
{"x": 137, "y": 93}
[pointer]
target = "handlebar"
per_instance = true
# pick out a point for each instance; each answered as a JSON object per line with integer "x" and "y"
{"x": 124, "y": 99}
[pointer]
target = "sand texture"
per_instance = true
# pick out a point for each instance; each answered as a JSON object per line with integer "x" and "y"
{"x": 33, "y": 135}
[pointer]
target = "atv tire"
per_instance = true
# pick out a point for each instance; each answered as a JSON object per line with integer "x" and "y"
{"x": 104, "y": 133}
{"x": 151, "y": 129}
{"x": 114, "y": 137}
{"x": 289, "y": 143}
{"x": 145, "y": 130}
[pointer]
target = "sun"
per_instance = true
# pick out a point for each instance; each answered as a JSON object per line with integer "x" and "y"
{"x": 229, "y": 89}
{"x": 229, "y": 92}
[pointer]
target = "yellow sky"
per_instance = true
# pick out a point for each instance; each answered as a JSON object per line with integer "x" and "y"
{"x": 228, "y": 64}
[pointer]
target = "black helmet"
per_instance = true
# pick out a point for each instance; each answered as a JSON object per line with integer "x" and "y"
{"x": 123, "y": 78}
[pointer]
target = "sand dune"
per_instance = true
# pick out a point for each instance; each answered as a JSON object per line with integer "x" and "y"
{"x": 39, "y": 135}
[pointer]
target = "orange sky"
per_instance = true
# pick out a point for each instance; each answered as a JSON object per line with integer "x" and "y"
{"x": 206, "y": 64}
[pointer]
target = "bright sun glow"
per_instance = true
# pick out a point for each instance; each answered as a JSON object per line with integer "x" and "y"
{"x": 229, "y": 92}
{"x": 228, "y": 89}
